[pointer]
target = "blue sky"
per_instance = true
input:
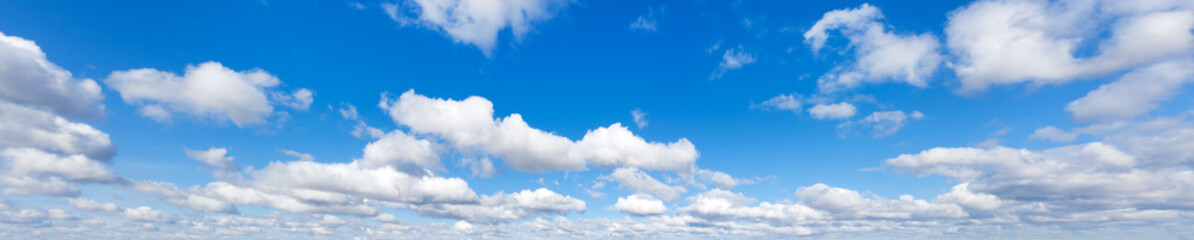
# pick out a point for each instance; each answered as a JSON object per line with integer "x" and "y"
{"x": 596, "y": 119}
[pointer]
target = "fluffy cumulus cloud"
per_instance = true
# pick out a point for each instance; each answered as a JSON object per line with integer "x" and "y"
{"x": 28, "y": 170}
{"x": 215, "y": 157}
{"x": 640, "y": 205}
{"x": 475, "y": 22}
{"x": 1130, "y": 174}
{"x": 43, "y": 151}
{"x": 880, "y": 55}
{"x": 833, "y": 111}
{"x": 502, "y": 207}
{"x": 27, "y": 78}
{"x": 23, "y": 126}
{"x": 1135, "y": 94}
{"x": 469, "y": 126}
{"x": 1001, "y": 42}
{"x": 208, "y": 90}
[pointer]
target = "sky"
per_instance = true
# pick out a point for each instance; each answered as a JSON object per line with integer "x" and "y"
{"x": 578, "y": 119}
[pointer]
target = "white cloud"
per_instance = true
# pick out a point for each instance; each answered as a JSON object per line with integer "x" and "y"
{"x": 28, "y": 170}
{"x": 30, "y": 127}
{"x": 469, "y": 126}
{"x": 215, "y": 157}
{"x": 1040, "y": 42}
{"x": 884, "y": 123}
{"x": 640, "y": 118}
{"x": 733, "y": 58}
{"x": 475, "y": 22}
{"x": 207, "y": 90}
{"x": 1069, "y": 180}
{"x": 502, "y": 207}
{"x": 846, "y": 203}
{"x": 783, "y": 102}
{"x": 28, "y": 78}
{"x": 300, "y": 156}
{"x": 1135, "y": 94}
{"x": 1052, "y": 133}
{"x": 299, "y": 99}
{"x": 640, "y": 205}
{"x": 145, "y": 214}
{"x": 92, "y": 205}
{"x": 140, "y": 214}
{"x": 721, "y": 179}
{"x": 634, "y": 179}
{"x": 719, "y": 205}
{"x": 831, "y": 199}
{"x": 840, "y": 110}
{"x": 880, "y": 55}
{"x": 647, "y": 22}
{"x": 404, "y": 152}
{"x": 360, "y": 129}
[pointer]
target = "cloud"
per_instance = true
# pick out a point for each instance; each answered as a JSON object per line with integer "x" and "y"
{"x": 1041, "y": 42}
{"x": 145, "y": 214}
{"x": 402, "y": 151}
{"x": 92, "y": 205}
{"x": 840, "y": 110}
{"x": 884, "y": 123}
{"x": 299, "y": 99}
{"x": 300, "y": 156}
{"x": 640, "y": 205}
{"x": 360, "y": 129}
{"x": 880, "y": 55}
{"x": 719, "y": 205}
{"x": 215, "y": 157}
{"x": 846, "y": 203}
{"x": 640, "y": 118}
{"x": 28, "y": 78}
{"x": 733, "y": 58}
{"x": 646, "y": 23}
{"x": 475, "y": 22}
{"x": 469, "y": 126}
{"x": 207, "y": 90}
{"x": 28, "y": 170}
{"x": 502, "y": 207}
{"x": 1135, "y": 94}
{"x": 634, "y": 179}
{"x": 1052, "y": 133}
{"x": 721, "y": 179}
{"x": 34, "y": 128}
{"x": 1072, "y": 182}
{"x": 783, "y": 102}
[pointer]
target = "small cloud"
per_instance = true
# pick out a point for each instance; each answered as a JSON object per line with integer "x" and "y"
{"x": 640, "y": 118}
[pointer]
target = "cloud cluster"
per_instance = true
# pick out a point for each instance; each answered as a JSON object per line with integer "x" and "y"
{"x": 208, "y": 90}
{"x": 41, "y": 150}
{"x": 1039, "y": 42}
{"x": 880, "y": 55}
{"x": 469, "y": 126}
{"x": 475, "y": 22}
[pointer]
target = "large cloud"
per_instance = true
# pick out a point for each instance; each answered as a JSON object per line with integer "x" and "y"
{"x": 207, "y": 90}
{"x": 28, "y": 170}
{"x": 1076, "y": 179}
{"x": 1135, "y": 94}
{"x": 475, "y": 22}
{"x": 640, "y": 205}
{"x": 1014, "y": 41}
{"x": 470, "y": 126}
{"x": 881, "y": 55}
{"x": 28, "y": 78}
